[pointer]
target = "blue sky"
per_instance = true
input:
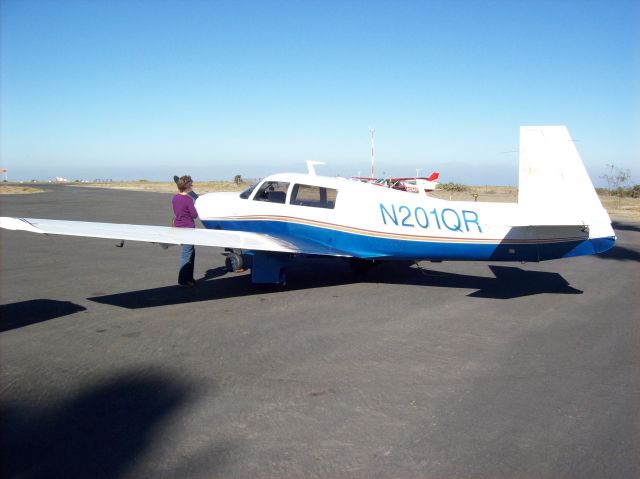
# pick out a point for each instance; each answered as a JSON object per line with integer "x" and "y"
{"x": 147, "y": 89}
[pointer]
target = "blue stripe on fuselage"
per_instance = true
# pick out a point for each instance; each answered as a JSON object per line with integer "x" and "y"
{"x": 364, "y": 246}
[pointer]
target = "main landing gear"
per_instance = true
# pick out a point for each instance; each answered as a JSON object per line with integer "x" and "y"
{"x": 266, "y": 268}
{"x": 234, "y": 262}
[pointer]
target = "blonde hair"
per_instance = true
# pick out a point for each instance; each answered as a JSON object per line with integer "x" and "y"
{"x": 184, "y": 182}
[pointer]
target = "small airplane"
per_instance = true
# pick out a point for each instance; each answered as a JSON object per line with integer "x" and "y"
{"x": 411, "y": 184}
{"x": 558, "y": 215}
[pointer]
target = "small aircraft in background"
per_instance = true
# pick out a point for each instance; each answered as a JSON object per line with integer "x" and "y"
{"x": 558, "y": 215}
{"x": 410, "y": 184}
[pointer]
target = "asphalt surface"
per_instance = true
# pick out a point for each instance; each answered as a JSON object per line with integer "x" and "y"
{"x": 459, "y": 370}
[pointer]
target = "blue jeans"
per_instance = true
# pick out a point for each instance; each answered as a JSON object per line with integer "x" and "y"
{"x": 187, "y": 261}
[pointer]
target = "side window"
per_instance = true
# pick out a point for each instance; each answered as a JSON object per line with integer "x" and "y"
{"x": 272, "y": 192}
{"x": 314, "y": 196}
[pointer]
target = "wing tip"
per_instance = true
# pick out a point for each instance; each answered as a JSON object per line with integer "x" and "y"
{"x": 18, "y": 224}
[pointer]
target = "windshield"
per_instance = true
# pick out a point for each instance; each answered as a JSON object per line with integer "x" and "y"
{"x": 246, "y": 193}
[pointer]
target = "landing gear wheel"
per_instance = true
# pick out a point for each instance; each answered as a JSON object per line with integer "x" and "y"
{"x": 233, "y": 262}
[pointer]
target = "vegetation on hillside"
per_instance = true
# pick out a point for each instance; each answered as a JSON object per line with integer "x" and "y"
{"x": 617, "y": 179}
{"x": 453, "y": 187}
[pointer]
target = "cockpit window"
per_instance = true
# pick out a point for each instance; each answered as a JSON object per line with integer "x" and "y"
{"x": 272, "y": 192}
{"x": 314, "y": 196}
{"x": 246, "y": 193}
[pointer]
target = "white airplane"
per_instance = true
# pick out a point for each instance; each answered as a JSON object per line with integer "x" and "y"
{"x": 558, "y": 215}
{"x": 411, "y": 184}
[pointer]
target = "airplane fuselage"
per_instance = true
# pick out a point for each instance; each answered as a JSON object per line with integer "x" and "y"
{"x": 369, "y": 222}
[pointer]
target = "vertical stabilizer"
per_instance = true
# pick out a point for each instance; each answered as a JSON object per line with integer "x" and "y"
{"x": 553, "y": 181}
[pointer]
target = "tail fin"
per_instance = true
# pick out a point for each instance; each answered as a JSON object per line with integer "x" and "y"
{"x": 554, "y": 185}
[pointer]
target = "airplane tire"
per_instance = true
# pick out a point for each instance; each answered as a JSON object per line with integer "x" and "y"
{"x": 233, "y": 262}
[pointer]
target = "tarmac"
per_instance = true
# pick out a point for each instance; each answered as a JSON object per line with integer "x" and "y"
{"x": 446, "y": 370}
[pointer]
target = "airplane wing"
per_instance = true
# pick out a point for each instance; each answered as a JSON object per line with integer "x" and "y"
{"x": 434, "y": 176}
{"x": 161, "y": 235}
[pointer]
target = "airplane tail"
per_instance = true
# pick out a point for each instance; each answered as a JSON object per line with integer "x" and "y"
{"x": 434, "y": 176}
{"x": 555, "y": 189}
{"x": 553, "y": 180}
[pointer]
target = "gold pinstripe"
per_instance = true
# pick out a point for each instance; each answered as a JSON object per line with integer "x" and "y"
{"x": 381, "y": 234}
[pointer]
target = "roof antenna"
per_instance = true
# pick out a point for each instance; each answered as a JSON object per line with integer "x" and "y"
{"x": 311, "y": 166}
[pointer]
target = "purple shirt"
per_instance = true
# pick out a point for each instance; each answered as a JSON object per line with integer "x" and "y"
{"x": 184, "y": 211}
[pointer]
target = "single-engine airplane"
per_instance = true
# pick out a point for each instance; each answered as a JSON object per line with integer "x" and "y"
{"x": 558, "y": 215}
{"x": 411, "y": 184}
{"x": 415, "y": 185}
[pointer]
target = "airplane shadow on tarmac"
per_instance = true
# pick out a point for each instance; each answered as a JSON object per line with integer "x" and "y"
{"x": 620, "y": 253}
{"x": 25, "y": 313}
{"x": 99, "y": 432}
{"x": 617, "y": 225}
{"x": 508, "y": 282}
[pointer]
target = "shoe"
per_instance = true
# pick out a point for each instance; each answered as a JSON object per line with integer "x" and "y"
{"x": 188, "y": 284}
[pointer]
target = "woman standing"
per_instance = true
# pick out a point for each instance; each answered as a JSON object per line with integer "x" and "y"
{"x": 184, "y": 214}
